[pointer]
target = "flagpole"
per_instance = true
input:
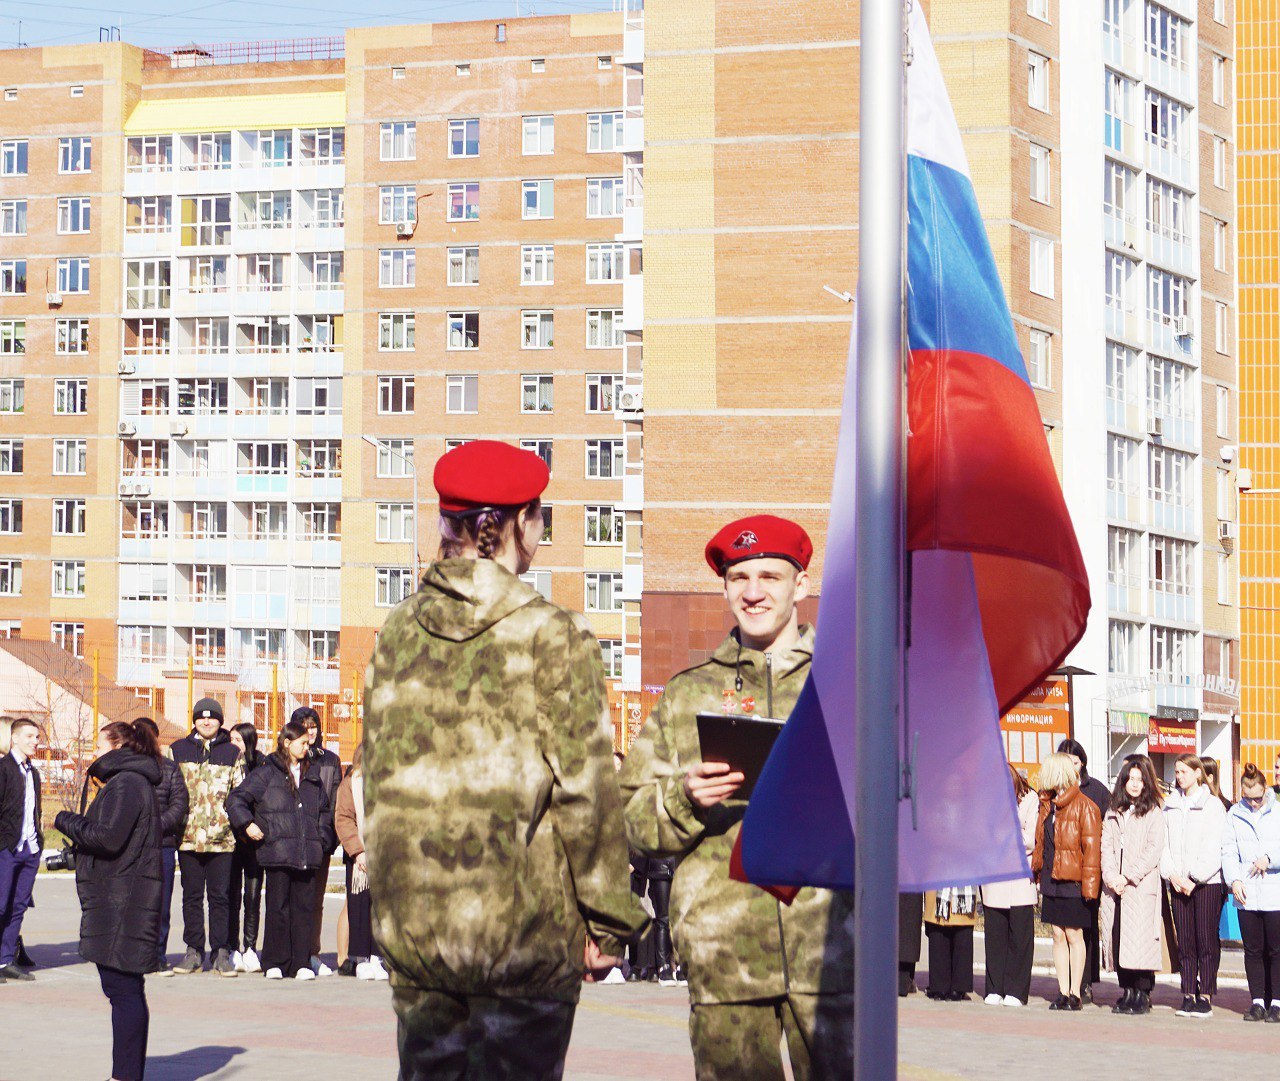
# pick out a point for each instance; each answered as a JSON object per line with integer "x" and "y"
{"x": 878, "y": 511}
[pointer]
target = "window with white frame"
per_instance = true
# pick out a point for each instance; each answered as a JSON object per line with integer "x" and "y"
{"x": 604, "y": 524}
{"x": 1170, "y": 388}
{"x": 70, "y": 397}
{"x": 604, "y": 263}
{"x": 13, "y": 217}
{"x": 73, "y": 276}
{"x": 396, "y": 331}
{"x": 1170, "y": 475}
{"x": 68, "y": 517}
{"x": 538, "y": 135}
{"x": 1219, "y": 80}
{"x": 73, "y": 215}
{"x": 462, "y": 394}
{"x": 322, "y": 146}
{"x": 537, "y": 264}
{"x": 394, "y": 585}
{"x": 10, "y": 628}
{"x": 13, "y": 277}
{"x": 604, "y": 132}
{"x": 1122, "y": 458}
{"x": 13, "y": 396}
{"x": 146, "y": 283}
{"x": 547, "y": 522}
{"x": 1167, "y": 123}
{"x": 68, "y": 636}
{"x": 68, "y": 578}
{"x": 1038, "y": 9}
{"x": 1219, "y": 162}
{"x": 464, "y": 138}
{"x": 602, "y": 592}
{"x": 395, "y": 458}
{"x": 1168, "y": 212}
{"x": 1224, "y": 578}
{"x": 1042, "y": 270}
{"x": 604, "y": 328}
{"x": 537, "y": 330}
{"x": 1222, "y": 494}
{"x": 611, "y": 657}
{"x": 1221, "y": 341}
{"x": 11, "y": 456}
{"x": 1038, "y": 81}
{"x": 604, "y": 197}
{"x": 537, "y": 393}
{"x": 395, "y": 394}
{"x": 320, "y": 521}
{"x": 13, "y": 157}
{"x": 1122, "y": 544}
{"x": 1041, "y": 185}
{"x": 13, "y": 337}
{"x": 1168, "y": 36}
{"x": 1117, "y": 282}
{"x": 330, "y": 208}
{"x": 605, "y": 458}
{"x": 75, "y": 154}
{"x": 463, "y": 330}
{"x": 538, "y": 65}
{"x": 1166, "y": 296}
{"x": 1219, "y": 245}
{"x": 464, "y": 201}
{"x": 397, "y": 268}
{"x": 10, "y": 577}
{"x": 397, "y": 203}
{"x": 1040, "y": 358}
{"x": 539, "y": 581}
{"x": 464, "y": 265}
{"x": 602, "y": 392}
{"x": 1220, "y": 12}
{"x": 394, "y": 523}
{"x": 1171, "y": 567}
{"x": 541, "y": 447}
{"x": 1122, "y": 647}
{"x": 537, "y": 199}
{"x": 398, "y": 140}
{"x": 1222, "y": 412}
{"x": 70, "y": 457}
{"x": 10, "y": 516}
{"x": 1172, "y": 655}
{"x": 72, "y": 337}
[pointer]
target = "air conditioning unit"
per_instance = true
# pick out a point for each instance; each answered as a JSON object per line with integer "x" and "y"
{"x": 1244, "y": 479}
{"x": 141, "y": 487}
{"x": 1226, "y": 531}
{"x": 1155, "y": 428}
{"x": 126, "y": 487}
{"x": 54, "y": 300}
{"x": 178, "y": 427}
{"x": 126, "y": 367}
{"x": 126, "y": 427}
{"x": 631, "y": 400}
{"x": 1182, "y": 326}
{"x": 404, "y": 229}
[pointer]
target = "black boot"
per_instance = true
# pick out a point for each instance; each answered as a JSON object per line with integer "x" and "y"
{"x": 1125, "y": 1005}
{"x": 23, "y": 959}
{"x": 1141, "y": 1004}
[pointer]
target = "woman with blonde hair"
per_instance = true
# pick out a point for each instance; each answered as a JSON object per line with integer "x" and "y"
{"x": 1067, "y": 863}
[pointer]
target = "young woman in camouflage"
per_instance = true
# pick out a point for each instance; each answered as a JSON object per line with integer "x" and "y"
{"x": 493, "y": 820}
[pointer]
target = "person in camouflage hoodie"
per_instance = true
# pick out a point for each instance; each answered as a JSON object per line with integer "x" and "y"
{"x": 211, "y": 767}
{"x": 493, "y": 820}
{"x": 758, "y": 969}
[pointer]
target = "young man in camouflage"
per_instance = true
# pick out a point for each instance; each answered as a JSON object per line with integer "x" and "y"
{"x": 758, "y": 970}
{"x": 211, "y": 767}
{"x": 493, "y": 820}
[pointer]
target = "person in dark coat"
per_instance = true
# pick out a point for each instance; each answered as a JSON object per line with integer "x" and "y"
{"x": 910, "y": 916}
{"x": 283, "y": 805}
{"x": 1100, "y": 794}
{"x": 174, "y": 802}
{"x": 330, "y": 767}
{"x": 246, "y": 871}
{"x": 120, "y": 880}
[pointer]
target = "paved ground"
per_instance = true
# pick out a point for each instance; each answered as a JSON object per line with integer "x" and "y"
{"x": 206, "y": 1027}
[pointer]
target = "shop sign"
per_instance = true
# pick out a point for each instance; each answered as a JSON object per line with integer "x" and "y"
{"x": 1171, "y": 735}
{"x": 1129, "y": 722}
{"x": 1034, "y": 727}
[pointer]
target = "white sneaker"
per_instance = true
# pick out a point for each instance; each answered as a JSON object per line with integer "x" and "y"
{"x": 380, "y": 973}
{"x": 371, "y": 970}
{"x": 304, "y": 974}
{"x": 993, "y": 999}
{"x": 237, "y": 961}
{"x": 1012, "y": 1000}
{"x": 615, "y": 976}
{"x": 274, "y": 974}
{"x": 251, "y": 961}
{"x": 319, "y": 968}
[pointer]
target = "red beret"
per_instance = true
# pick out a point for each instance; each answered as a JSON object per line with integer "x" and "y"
{"x": 758, "y": 537}
{"x": 486, "y": 473}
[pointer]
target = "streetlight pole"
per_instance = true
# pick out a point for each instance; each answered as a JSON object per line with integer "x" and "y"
{"x": 408, "y": 460}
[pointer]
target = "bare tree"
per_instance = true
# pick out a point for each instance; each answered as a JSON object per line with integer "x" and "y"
{"x": 62, "y": 701}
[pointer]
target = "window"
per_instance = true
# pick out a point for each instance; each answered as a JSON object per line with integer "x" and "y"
{"x": 320, "y": 522}
{"x": 541, "y": 447}
{"x": 464, "y": 138}
{"x": 604, "y": 263}
{"x": 1122, "y": 456}
{"x": 1171, "y": 565}
{"x": 604, "y": 63}
{"x": 10, "y": 577}
{"x": 397, "y": 268}
{"x": 462, "y": 394}
{"x": 1224, "y": 578}
{"x": 538, "y": 199}
{"x": 1172, "y": 659}
{"x": 398, "y": 141}
{"x": 13, "y": 217}
{"x": 1041, "y": 180}
{"x": 13, "y": 157}
{"x": 397, "y": 203}
{"x": 1219, "y": 80}
{"x": 602, "y": 392}
{"x": 68, "y": 578}
{"x": 604, "y": 197}
{"x": 73, "y": 277}
{"x": 397, "y": 73}
{"x": 11, "y": 456}
{"x": 1222, "y": 411}
{"x": 464, "y": 202}
{"x": 1038, "y": 81}
{"x": 1169, "y": 475}
{"x": 604, "y": 459}
{"x": 603, "y": 592}
{"x": 1220, "y": 331}
{"x": 69, "y": 517}
{"x": 1222, "y": 494}
{"x": 604, "y": 524}
{"x": 13, "y": 395}
{"x": 1122, "y": 651}
{"x": 394, "y": 585}
{"x": 68, "y": 636}
{"x": 464, "y": 266}
{"x": 1219, "y": 245}
{"x": 395, "y": 523}
{"x": 611, "y": 657}
{"x": 539, "y": 581}
{"x": 13, "y": 277}
{"x": 1041, "y": 281}
{"x": 537, "y": 264}
{"x": 537, "y": 330}
{"x": 1219, "y": 163}
{"x": 395, "y": 458}
{"x": 547, "y": 517}
{"x": 1040, "y": 359}
{"x": 537, "y": 393}
{"x": 72, "y": 336}
{"x": 10, "y": 516}
{"x": 13, "y": 337}
{"x": 1168, "y": 36}
{"x": 1038, "y": 9}
{"x": 73, "y": 215}
{"x": 464, "y": 330}
{"x": 604, "y": 132}
{"x": 396, "y": 331}
{"x": 538, "y": 65}
{"x": 395, "y": 394}
{"x": 322, "y": 146}
{"x": 1220, "y": 12}
{"x": 538, "y": 135}
{"x": 10, "y": 93}
{"x": 1166, "y": 296}
{"x": 462, "y": 71}
{"x": 1170, "y": 389}
{"x": 70, "y": 397}
{"x": 75, "y": 154}
{"x": 330, "y": 208}
{"x": 70, "y": 457}
{"x": 1121, "y": 545}
{"x": 604, "y": 328}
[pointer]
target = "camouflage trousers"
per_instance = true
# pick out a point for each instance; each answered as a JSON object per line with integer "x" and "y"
{"x": 741, "y": 1041}
{"x": 447, "y": 1037}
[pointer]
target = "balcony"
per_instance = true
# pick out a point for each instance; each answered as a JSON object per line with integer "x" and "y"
{"x": 1164, "y": 337}
{"x": 1169, "y": 78}
{"x": 263, "y": 298}
{"x": 633, "y": 44}
{"x": 633, "y": 302}
{"x": 148, "y": 240}
{"x": 1124, "y": 594}
{"x": 317, "y": 616}
{"x": 1182, "y": 695}
{"x": 261, "y": 486}
{"x": 632, "y": 492}
{"x": 1123, "y": 325}
{"x": 199, "y": 611}
{"x": 1169, "y": 162}
{"x": 1124, "y": 414}
{"x": 1170, "y": 250}
{"x": 1124, "y": 504}
{"x": 1121, "y": 138}
{"x": 1120, "y": 229}
{"x": 1176, "y": 518}
{"x": 143, "y": 613}
{"x": 318, "y": 236}
{"x": 249, "y": 550}
{"x": 202, "y": 300}
{"x": 317, "y": 489}
{"x": 190, "y": 484}
{"x": 632, "y": 222}
{"x": 1120, "y": 50}
{"x": 1177, "y": 429}
{"x": 200, "y": 548}
{"x": 322, "y": 551}
{"x": 1169, "y": 605}
{"x": 632, "y": 133}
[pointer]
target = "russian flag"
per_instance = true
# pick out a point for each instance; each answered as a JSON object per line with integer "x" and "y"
{"x": 998, "y": 590}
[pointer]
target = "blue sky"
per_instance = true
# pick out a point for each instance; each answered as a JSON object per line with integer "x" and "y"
{"x": 173, "y": 22}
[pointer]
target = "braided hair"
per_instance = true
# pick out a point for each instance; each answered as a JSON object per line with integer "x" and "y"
{"x": 482, "y": 530}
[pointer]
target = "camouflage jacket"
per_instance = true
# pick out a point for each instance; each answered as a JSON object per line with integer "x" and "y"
{"x": 737, "y": 942}
{"x": 211, "y": 769}
{"x": 493, "y": 819}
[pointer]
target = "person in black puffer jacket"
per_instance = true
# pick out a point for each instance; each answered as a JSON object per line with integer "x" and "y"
{"x": 283, "y": 805}
{"x": 120, "y": 883}
{"x": 174, "y": 802}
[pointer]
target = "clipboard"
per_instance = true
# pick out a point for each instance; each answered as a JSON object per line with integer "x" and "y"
{"x": 740, "y": 739}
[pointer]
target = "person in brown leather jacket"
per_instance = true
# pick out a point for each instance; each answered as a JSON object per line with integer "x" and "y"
{"x": 1067, "y": 864}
